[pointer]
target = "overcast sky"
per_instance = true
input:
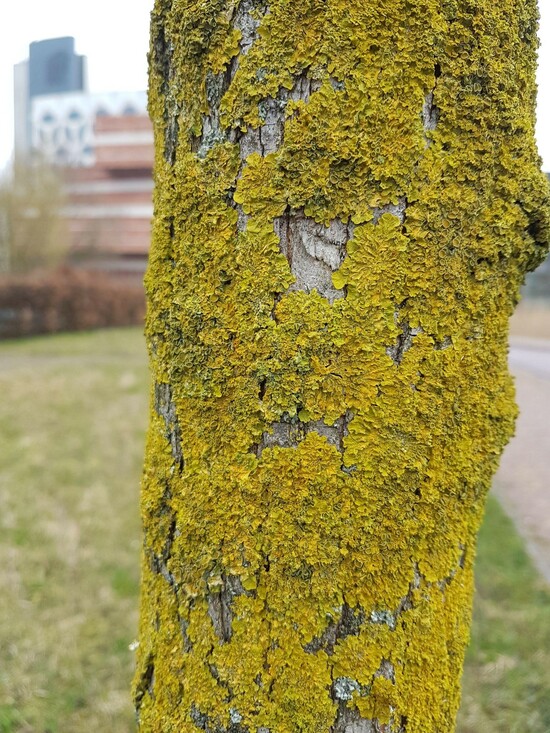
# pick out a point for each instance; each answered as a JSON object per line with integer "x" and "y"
{"x": 113, "y": 34}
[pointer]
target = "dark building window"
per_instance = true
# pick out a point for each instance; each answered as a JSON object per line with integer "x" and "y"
{"x": 57, "y": 69}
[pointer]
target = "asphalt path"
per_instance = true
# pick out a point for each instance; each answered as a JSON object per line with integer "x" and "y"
{"x": 522, "y": 483}
{"x": 530, "y": 355}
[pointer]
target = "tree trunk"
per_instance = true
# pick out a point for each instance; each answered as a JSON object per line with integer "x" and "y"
{"x": 347, "y": 198}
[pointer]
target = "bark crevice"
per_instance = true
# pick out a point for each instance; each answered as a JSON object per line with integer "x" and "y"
{"x": 220, "y": 605}
{"x": 430, "y": 110}
{"x": 349, "y": 624}
{"x": 404, "y": 340}
{"x": 165, "y": 407}
{"x": 162, "y": 56}
{"x": 144, "y": 686}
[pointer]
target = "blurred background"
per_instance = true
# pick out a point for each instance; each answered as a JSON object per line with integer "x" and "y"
{"x": 76, "y": 156}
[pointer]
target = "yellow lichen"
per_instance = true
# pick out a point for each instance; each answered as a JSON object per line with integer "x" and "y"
{"x": 272, "y": 571}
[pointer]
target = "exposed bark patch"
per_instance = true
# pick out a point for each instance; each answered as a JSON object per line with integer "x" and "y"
{"x": 220, "y": 605}
{"x": 158, "y": 565}
{"x": 314, "y": 251}
{"x": 159, "y": 562}
{"x": 349, "y": 624}
{"x": 242, "y": 218}
{"x": 348, "y": 720}
{"x": 446, "y": 343}
{"x": 290, "y": 431}
{"x": 212, "y": 132}
{"x": 284, "y": 434}
{"x": 305, "y": 86}
{"x": 352, "y": 620}
{"x": 217, "y": 84}
{"x": 166, "y": 408}
{"x": 430, "y": 113}
{"x": 247, "y": 23}
{"x": 269, "y": 136}
{"x": 386, "y": 670}
{"x": 399, "y": 210}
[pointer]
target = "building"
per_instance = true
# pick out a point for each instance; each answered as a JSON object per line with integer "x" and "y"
{"x": 109, "y": 207}
{"x": 53, "y": 67}
{"x": 103, "y": 146}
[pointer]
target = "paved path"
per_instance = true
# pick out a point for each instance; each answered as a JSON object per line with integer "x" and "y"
{"x": 523, "y": 481}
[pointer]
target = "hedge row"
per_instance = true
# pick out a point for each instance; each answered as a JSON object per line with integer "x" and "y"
{"x": 67, "y": 299}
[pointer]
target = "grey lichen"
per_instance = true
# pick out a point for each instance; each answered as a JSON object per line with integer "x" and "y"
{"x": 235, "y": 716}
{"x": 344, "y": 687}
{"x": 383, "y": 617}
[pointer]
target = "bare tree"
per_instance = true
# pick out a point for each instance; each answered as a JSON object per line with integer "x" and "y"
{"x": 32, "y": 231}
{"x": 348, "y": 197}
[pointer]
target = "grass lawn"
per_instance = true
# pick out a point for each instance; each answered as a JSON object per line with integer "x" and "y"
{"x": 506, "y": 686}
{"x": 72, "y": 423}
{"x": 72, "y": 426}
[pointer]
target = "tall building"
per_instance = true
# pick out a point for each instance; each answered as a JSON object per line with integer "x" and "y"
{"x": 53, "y": 67}
{"x": 102, "y": 144}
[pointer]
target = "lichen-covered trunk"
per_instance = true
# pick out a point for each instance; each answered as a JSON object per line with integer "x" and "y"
{"x": 347, "y": 198}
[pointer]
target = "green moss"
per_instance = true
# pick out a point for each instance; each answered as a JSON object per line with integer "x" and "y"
{"x": 428, "y": 106}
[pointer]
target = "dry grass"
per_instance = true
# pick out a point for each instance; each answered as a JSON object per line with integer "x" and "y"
{"x": 72, "y": 427}
{"x": 71, "y": 437}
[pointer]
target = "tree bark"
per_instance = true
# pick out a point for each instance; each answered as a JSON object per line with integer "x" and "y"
{"x": 348, "y": 196}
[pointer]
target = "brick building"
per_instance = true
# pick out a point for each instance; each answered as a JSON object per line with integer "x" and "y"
{"x": 109, "y": 207}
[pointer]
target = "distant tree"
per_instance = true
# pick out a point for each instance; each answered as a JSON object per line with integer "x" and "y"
{"x": 32, "y": 232}
{"x": 348, "y": 197}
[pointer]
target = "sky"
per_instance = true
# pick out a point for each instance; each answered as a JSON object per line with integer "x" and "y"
{"x": 113, "y": 34}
